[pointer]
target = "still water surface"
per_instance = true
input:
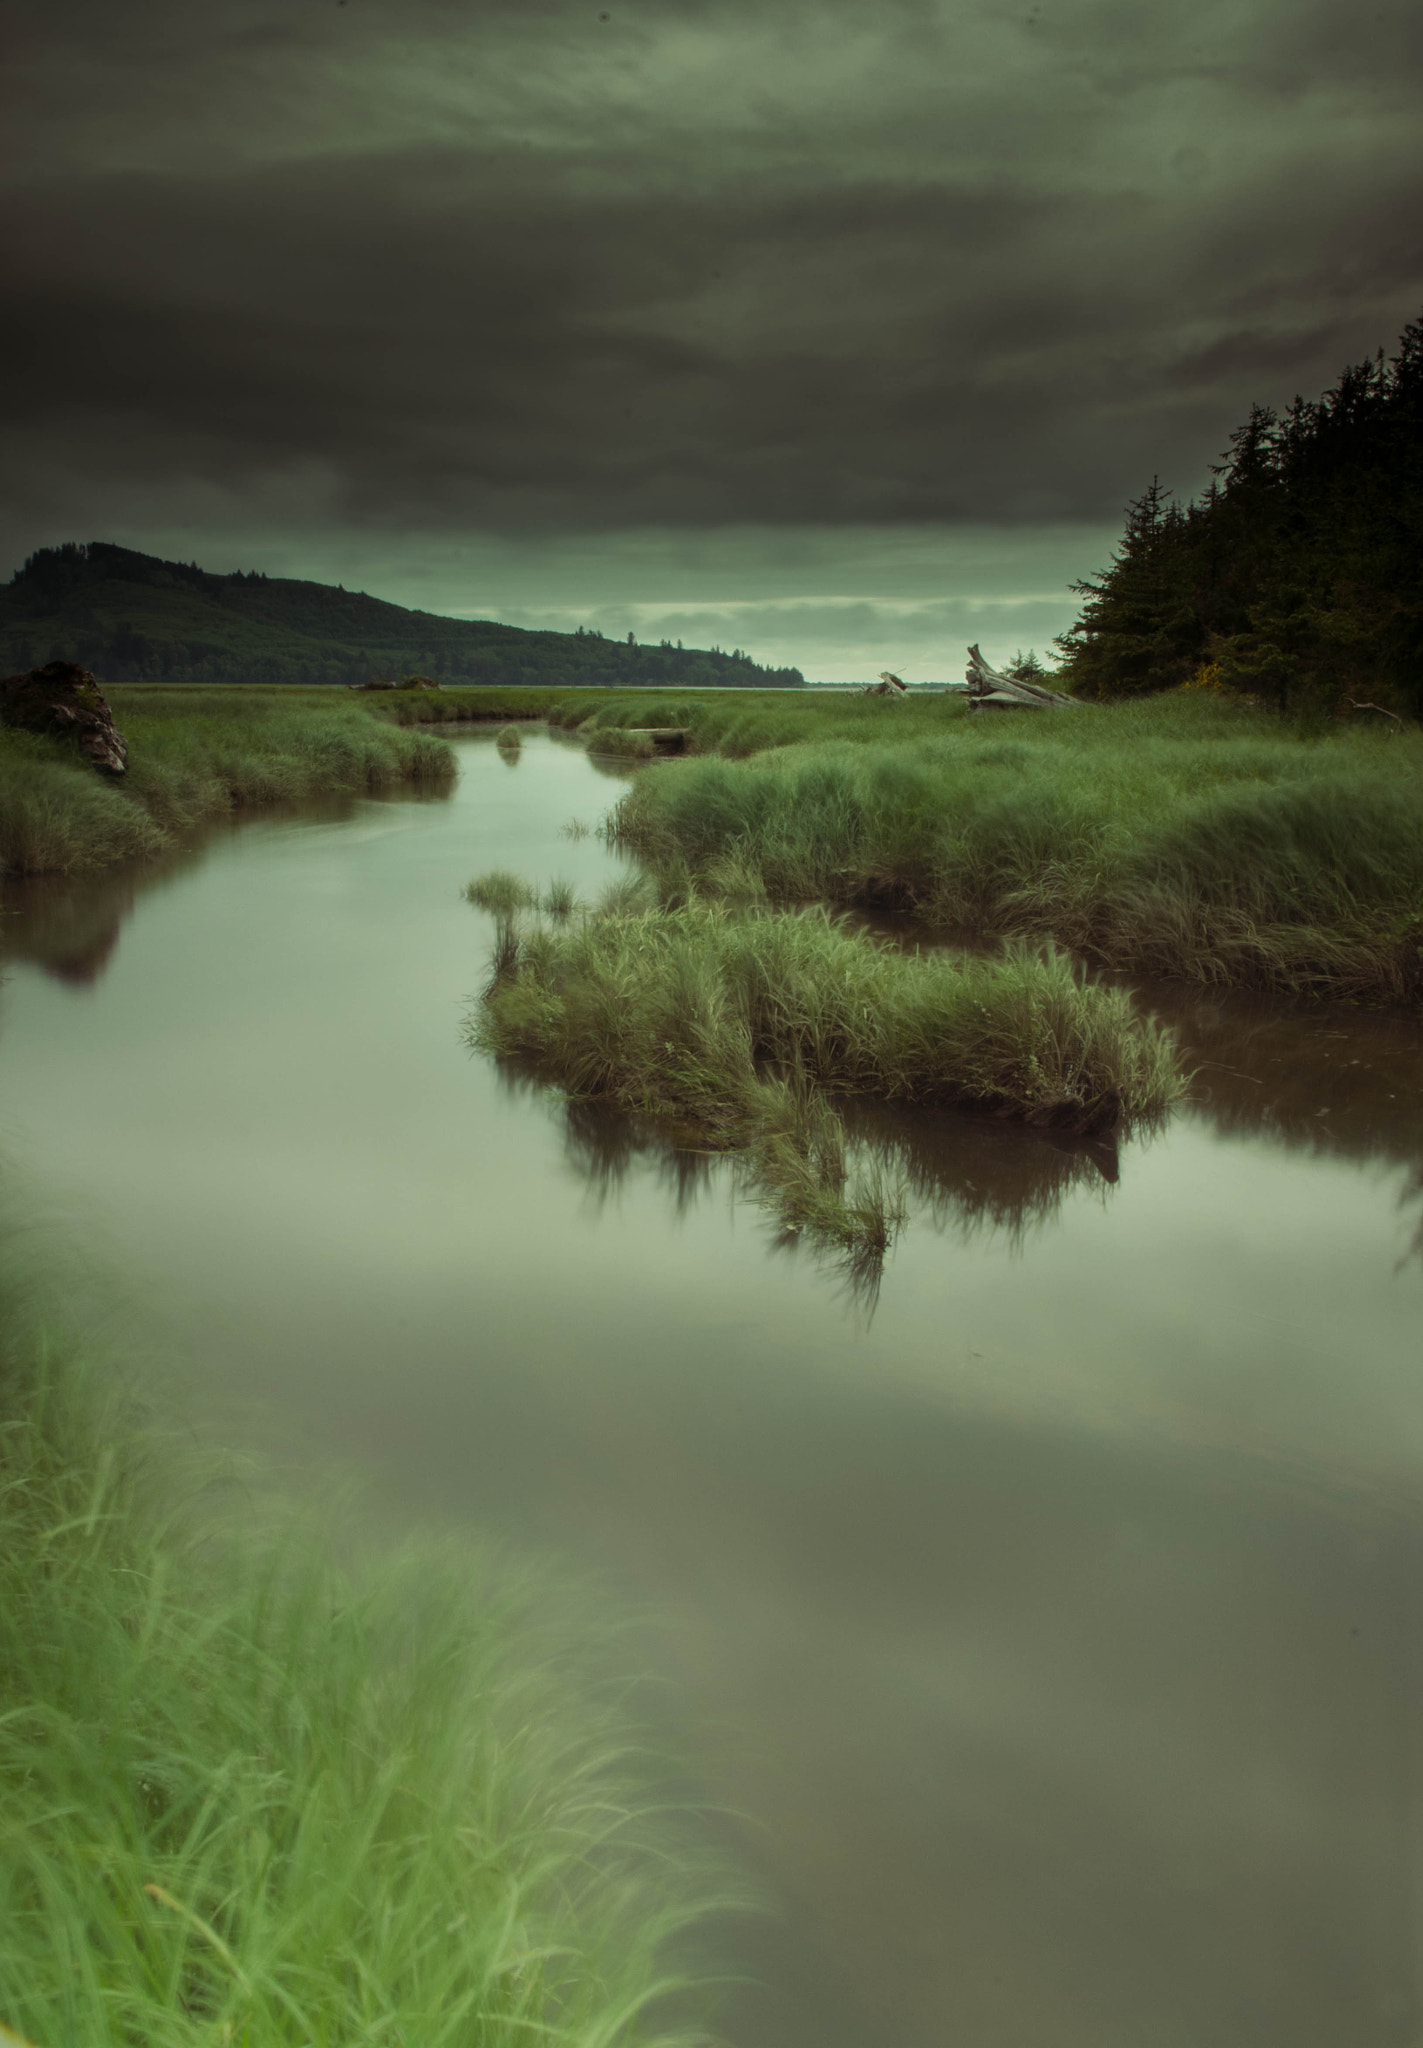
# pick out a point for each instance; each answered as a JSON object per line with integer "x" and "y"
{"x": 1053, "y": 1622}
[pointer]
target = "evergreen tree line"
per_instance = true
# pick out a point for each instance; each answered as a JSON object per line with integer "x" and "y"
{"x": 1297, "y": 577}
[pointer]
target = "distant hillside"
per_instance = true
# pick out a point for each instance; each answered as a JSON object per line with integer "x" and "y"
{"x": 134, "y": 619}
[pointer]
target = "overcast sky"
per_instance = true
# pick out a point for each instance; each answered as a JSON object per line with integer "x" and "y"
{"x": 838, "y": 332}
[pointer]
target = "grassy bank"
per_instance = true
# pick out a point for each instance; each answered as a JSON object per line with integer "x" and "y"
{"x": 1171, "y": 837}
{"x": 743, "y": 1026}
{"x": 739, "y": 723}
{"x": 472, "y": 704}
{"x": 195, "y": 755}
{"x": 249, "y": 1796}
{"x": 200, "y": 751}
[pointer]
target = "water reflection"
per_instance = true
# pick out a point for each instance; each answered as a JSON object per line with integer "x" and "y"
{"x": 1324, "y": 1080}
{"x": 614, "y": 766}
{"x": 69, "y": 925}
{"x": 972, "y": 1174}
{"x": 977, "y": 1174}
{"x": 604, "y": 1144}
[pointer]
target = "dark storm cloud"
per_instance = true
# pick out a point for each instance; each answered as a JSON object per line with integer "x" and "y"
{"x": 520, "y": 267}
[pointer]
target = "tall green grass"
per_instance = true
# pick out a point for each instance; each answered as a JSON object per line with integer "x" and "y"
{"x": 738, "y": 723}
{"x": 193, "y": 756}
{"x": 742, "y": 1027}
{"x": 1169, "y": 838}
{"x": 251, "y": 1796}
{"x": 58, "y": 817}
{"x": 455, "y": 705}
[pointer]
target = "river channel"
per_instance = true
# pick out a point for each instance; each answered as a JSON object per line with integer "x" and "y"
{"x": 1052, "y": 1620}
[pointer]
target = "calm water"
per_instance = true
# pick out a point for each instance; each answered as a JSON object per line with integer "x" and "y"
{"x": 1055, "y": 1626}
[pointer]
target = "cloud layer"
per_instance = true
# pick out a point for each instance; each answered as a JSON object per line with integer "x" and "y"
{"x": 399, "y": 266}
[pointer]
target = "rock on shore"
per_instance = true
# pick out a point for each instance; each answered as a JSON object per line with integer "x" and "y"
{"x": 64, "y": 700}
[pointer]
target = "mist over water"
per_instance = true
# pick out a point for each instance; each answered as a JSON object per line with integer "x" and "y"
{"x": 1051, "y": 1620}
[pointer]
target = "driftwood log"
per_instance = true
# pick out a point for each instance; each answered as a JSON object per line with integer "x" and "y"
{"x": 887, "y": 686}
{"x": 990, "y": 686}
{"x": 1351, "y": 703}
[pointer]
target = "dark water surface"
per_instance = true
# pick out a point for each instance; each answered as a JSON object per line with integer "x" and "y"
{"x": 1055, "y": 1626}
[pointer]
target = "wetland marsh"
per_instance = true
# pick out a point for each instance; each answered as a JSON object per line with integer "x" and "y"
{"x": 1046, "y": 1630}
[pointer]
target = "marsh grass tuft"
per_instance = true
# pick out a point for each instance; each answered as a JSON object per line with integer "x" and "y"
{"x": 559, "y": 899}
{"x": 501, "y": 892}
{"x": 743, "y": 1027}
{"x": 251, "y": 1795}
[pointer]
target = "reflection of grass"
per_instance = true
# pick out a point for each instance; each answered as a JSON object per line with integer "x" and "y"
{"x": 1321, "y": 1079}
{"x": 963, "y": 1171}
{"x": 193, "y": 756}
{"x": 973, "y": 1174}
{"x": 250, "y": 1796}
{"x": 740, "y": 1027}
{"x": 1172, "y": 837}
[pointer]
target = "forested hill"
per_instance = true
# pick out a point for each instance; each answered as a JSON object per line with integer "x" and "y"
{"x": 133, "y": 618}
{"x": 1297, "y": 577}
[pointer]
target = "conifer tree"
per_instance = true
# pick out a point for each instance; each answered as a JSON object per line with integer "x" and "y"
{"x": 1298, "y": 575}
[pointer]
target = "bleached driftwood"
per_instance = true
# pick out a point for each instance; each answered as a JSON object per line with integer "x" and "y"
{"x": 990, "y": 686}
{"x": 887, "y": 686}
{"x": 1351, "y": 703}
